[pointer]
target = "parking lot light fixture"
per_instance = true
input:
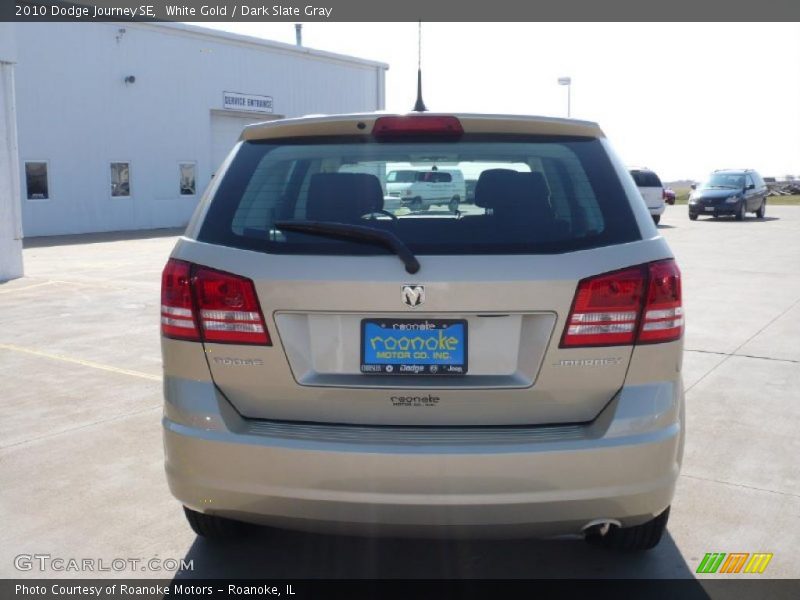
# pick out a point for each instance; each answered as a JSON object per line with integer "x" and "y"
{"x": 567, "y": 81}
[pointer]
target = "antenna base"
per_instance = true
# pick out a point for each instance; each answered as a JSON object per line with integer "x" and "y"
{"x": 419, "y": 106}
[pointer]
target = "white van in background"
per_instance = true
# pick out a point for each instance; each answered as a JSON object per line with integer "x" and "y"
{"x": 419, "y": 190}
{"x": 651, "y": 189}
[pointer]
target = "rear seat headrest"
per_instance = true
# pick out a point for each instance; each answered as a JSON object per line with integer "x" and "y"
{"x": 493, "y": 183}
{"x": 343, "y": 197}
{"x": 506, "y": 188}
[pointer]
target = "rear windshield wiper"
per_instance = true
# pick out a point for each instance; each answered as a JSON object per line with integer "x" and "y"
{"x": 356, "y": 233}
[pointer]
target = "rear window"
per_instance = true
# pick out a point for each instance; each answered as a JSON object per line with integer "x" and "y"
{"x": 531, "y": 195}
{"x": 646, "y": 179}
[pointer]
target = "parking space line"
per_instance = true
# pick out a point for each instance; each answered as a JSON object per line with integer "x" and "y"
{"x": 80, "y": 361}
{"x": 28, "y": 287}
{"x": 81, "y": 284}
{"x": 726, "y": 354}
{"x": 93, "y": 283}
{"x": 739, "y": 485}
{"x": 743, "y": 344}
{"x": 79, "y": 427}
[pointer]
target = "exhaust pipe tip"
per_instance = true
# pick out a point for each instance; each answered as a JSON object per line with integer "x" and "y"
{"x": 600, "y": 527}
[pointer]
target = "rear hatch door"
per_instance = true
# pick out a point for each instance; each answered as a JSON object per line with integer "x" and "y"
{"x": 514, "y": 318}
{"x": 498, "y": 277}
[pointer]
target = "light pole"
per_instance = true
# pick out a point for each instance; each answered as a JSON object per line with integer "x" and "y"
{"x": 567, "y": 81}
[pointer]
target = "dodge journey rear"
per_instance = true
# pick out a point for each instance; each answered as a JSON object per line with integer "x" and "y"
{"x": 505, "y": 368}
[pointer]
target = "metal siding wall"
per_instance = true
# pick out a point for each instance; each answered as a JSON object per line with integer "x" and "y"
{"x": 10, "y": 229}
{"x": 76, "y": 112}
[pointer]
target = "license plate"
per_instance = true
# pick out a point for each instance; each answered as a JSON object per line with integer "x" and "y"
{"x": 709, "y": 209}
{"x": 414, "y": 346}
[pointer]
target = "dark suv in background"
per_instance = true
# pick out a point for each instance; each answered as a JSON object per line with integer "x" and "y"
{"x": 729, "y": 192}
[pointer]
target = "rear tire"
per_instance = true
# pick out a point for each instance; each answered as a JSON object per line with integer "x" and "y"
{"x": 454, "y": 203}
{"x": 762, "y": 209}
{"x": 212, "y": 527}
{"x": 656, "y": 219}
{"x": 416, "y": 203}
{"x": 633, "y": 539}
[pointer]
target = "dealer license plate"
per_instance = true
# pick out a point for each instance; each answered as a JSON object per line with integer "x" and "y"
{"x": 414, "y": 346}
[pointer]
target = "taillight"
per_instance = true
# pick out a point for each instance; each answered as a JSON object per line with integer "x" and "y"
{"x": 417, "y": 125}
{"x": 606, "y": 308}
{"x": 663, "y": 310}
{"x": 177, "y": 311}
{"x": 663, "y": 194}
{"x": 640, "y": 304}
{"x": 203, "y": 304}
{"x": 229, "y": 310}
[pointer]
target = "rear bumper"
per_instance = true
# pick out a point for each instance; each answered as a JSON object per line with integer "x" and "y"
{"x": 489, "y": 482}
{"x": 657, "y": 210}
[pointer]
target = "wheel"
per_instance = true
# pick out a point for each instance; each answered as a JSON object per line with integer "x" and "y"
{"x": 416, "y": 203}
{"x": 693, "y": 217}
{"x": 212, "y": 527}
{"x": 762, "y": 209}
{"x": 454, "y": 202}
{"x": 656, "y": 219}
{"x": 742, "y": 212}
{"x": 633, "y": 539}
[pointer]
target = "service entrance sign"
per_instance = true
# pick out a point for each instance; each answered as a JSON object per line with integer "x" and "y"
{"x": 246, "y": 102}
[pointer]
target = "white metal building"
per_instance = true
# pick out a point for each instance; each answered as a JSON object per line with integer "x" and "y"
{"x": 121, "y": 125}
{"x": 10, "y": 228}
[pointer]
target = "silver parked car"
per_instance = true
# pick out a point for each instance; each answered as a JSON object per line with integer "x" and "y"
{"x": 512, "y": 368}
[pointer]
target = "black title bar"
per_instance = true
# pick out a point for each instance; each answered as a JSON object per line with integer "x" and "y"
{"x": 405, "y": 10}
{"x": 222, "y": 589}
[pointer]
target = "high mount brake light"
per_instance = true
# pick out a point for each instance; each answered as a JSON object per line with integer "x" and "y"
{"x": 203, "y": 304}
{"x": 640, "y": 304}
{"x": 417, "y": 125}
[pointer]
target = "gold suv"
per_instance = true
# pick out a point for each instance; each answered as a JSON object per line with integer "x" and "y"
{"x": 510, "y": 367}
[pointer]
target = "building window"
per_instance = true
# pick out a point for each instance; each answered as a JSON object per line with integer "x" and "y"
{"x": 36, "y": 180}
{"x": 187, "y": 173}
{"x": 120, "y": 179}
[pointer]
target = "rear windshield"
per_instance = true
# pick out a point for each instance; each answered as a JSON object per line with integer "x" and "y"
{"x": 646, "y": 179}
{"x": 531, "y": 195}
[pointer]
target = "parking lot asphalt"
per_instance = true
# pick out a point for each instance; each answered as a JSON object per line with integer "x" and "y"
{"x": 81, "y": 462}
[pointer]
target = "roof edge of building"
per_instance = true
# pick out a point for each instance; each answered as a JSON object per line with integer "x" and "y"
{"x": 226, "y": 36}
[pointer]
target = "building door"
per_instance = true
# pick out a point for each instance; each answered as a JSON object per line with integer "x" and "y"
{"x": 225, "y": 130}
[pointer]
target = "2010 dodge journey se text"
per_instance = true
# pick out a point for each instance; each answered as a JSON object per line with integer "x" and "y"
{"x": 506, "y": 367}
